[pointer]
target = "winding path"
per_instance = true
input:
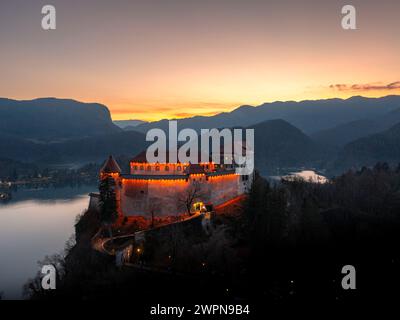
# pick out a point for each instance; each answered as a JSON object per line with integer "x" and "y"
{"x": 99, "y": 244}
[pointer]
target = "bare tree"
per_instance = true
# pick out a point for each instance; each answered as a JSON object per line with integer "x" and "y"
{"x": 187, "y": 198}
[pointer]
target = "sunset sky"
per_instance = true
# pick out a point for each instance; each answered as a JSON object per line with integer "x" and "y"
{"x": 154, "y": 59}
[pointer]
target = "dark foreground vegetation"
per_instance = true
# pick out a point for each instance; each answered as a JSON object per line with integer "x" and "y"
{"x": 287, "y": 243}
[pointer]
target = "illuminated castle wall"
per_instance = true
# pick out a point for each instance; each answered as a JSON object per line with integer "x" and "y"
{"x": 163, "y": 189}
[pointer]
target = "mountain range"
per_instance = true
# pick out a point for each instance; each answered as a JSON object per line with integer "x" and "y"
{"x": 332, "y": 134}
{"x": 367, "y": 151}
{"x": 310, "y": 116}
{"x": 345, "y": 133}
{"x": 50, "y": 119}
{"x": 94, "y": 148}
{"x": 280, "y": 146}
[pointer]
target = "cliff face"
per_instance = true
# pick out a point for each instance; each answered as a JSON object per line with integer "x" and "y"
{"x": 62, "y": 131}
{"x": 51, "y": 119}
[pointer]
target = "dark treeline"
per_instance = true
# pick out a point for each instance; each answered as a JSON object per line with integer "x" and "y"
{"x": 286, "y": 244}
{"x": 300, "y": 212}
{"x": 301, "y": 234}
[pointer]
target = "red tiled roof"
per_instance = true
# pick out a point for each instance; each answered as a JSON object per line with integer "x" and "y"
{"x": 111, "y": 166}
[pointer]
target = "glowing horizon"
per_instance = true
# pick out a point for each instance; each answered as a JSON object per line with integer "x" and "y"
{"x": 126, "y": 115}
{"x": 176, "y": 59}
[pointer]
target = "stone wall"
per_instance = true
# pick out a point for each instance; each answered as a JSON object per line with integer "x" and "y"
{"x": 166, "y": 197}
{"x": 141, "y": 197}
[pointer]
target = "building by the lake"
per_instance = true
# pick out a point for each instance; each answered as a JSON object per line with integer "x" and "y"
{"x": 167, "y": 188}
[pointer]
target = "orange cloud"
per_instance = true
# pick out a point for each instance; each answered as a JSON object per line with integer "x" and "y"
{"x": 366, "y": 87}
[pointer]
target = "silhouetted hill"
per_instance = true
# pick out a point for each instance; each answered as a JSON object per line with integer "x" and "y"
{"x": 59, "y": 131}
{"x": 280, "y": 146}
{"x": 99, "y": 147}
{"x": 309, "y": 116}
{"x": 345, "y": 133}
{"x": 51, "y": 119}
{"x": 12, "y": 147}
{"x": 95, "y": 148}
{"x": 380, "y": 147}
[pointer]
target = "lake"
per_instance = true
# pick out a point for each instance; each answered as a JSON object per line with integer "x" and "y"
{"x": 306, "y": 175}
{"x": 309, "y": 175}
{"x": 35, "y": 223}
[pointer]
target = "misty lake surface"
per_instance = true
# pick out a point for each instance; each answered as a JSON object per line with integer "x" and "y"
{"x": 310, "y": 175}
{"x": 306, "y": 175}
{"x": 35, "y": 223}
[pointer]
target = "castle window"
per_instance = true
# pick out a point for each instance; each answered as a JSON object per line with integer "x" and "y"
{"x": 157, "y": 168}
{"x": 166, "y": 168}
{"x": 134, "y": 167}
{"x": 141, "y": 168}
{"x": 148, "y": 168}
{"x": 178, "y": 168}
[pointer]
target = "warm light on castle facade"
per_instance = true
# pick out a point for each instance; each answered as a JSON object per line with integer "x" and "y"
{"x": 163, "y": 188}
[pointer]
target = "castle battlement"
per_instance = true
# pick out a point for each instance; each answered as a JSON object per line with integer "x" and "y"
{"x": 165, "y": 189}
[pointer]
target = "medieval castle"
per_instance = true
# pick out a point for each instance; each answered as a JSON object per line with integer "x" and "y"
{"x": 167, "y": 189}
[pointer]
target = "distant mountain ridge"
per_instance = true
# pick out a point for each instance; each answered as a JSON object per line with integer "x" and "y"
{"x": 63, "y": 131}
{"x": 367, "y": 151}
{"x": 279, "y": 146}
{"x": 345, "y": 133}
{"x": 86, "y": 149}
{"x": 50, "y": 130}
{"x": 309, "y": 116}
{"x": 51, "y": 119}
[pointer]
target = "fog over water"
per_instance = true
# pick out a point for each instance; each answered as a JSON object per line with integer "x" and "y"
{"x": 35, "y": 223}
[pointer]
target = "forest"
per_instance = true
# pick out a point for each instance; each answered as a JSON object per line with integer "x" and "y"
{"x": 287, "y": 242}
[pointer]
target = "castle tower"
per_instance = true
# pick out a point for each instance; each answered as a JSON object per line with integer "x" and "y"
{"x": 112, "y": 170}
